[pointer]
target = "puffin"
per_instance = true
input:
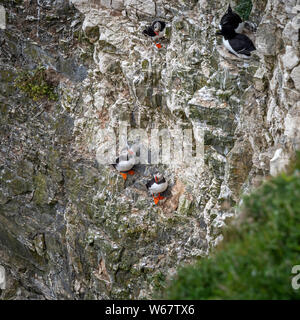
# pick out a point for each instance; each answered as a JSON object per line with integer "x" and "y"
{"x": 154, "y": 31}
{"x": 232, "y": 19}
{"x": 237, "y": 43}
{"x": 157, "y": 185}
{"x": 125, "y": 162}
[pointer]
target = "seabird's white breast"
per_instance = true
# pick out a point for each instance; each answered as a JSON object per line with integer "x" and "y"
{"x": 228, "y": 47}
{"x": 125, "y": 165}
{"x": 158, "y": 188}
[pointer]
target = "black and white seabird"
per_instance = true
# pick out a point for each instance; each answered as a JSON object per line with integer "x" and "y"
{"x": 157, "y": 185}
{"x": 155, "y": 31}
{"x": 236, "y": 43}
{"x": 125, "y": 162}
{"x": 232, "y": 19}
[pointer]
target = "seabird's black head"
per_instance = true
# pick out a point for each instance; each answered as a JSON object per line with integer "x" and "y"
{"x": 227, "y": 32}
{"x": 158, "y": 26}
{"x": 155, "y": 28}
{"x": 230, "y": 18}
{"x": 158, "y": 178}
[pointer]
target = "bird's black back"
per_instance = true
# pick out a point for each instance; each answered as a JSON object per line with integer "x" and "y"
{"x": 242, "y": 44}
{"x": 149, "y": 32}
{"x": 150, "y": 183}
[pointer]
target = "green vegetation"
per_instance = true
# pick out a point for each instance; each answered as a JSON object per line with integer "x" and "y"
{"x": 244, "y": 8}
{"x": 36, "y": 84}
{"x": 258, "y": 252}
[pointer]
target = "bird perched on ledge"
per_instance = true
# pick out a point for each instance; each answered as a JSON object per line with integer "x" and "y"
{"x": 125, "y": 162}
{"x": 236, "y": 43}
{"x": 157, "y": 185}
{"x": 155, "y": 31}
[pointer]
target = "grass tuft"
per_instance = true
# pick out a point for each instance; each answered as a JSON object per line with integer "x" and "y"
{"x": 244, "y": 8}
{"x": 36, "y": 84}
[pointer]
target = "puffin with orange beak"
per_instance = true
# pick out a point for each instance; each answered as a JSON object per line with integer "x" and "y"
{"x": 156, "y": 186}
{"x": 125, "y": 162}
{"x": 154, "y": 31}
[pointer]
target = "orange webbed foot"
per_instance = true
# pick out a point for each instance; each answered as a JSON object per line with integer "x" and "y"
{"x": 158, "y": 45}
{"x": 131, "y": 172}
{"x": 160, "y": 197}
{"x": 124, "y": 175}
{"x": 156, "y": 199}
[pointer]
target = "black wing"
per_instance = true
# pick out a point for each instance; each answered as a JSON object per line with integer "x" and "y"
{"x": 118, "y": 160}
{"x": 149, "y": 32}
{"x": 115, "y": 164}
{"x": 163, "y": 180}
{"x": 150, "y": 183}
{"x": 242, "y": 44}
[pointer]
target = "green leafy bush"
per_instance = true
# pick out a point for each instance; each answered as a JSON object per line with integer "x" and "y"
{"x": 257, "y": 255}
{"x": 36, "y": 85}
{"x": 244, "y": 8}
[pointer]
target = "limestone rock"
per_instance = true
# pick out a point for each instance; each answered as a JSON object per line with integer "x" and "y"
{"x": 70, "y": 227}
{"x": 295, "y": 75}
{"x": 279, "y": 162}
{"x": 291, "y": 58}
{"x": 265, "y": 40}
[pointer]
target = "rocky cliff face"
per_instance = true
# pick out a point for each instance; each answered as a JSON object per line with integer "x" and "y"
{"x": 70, "y": 227}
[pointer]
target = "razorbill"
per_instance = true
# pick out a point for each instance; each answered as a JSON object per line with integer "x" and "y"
{"x": 237, "y": 43}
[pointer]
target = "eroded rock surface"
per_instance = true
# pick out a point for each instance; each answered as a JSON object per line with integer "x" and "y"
{"x": 70, "y": 227}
